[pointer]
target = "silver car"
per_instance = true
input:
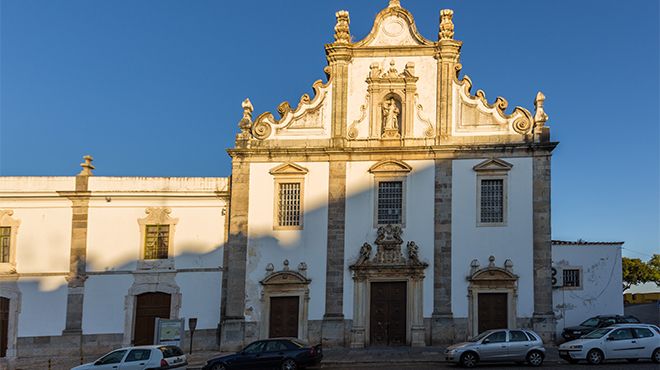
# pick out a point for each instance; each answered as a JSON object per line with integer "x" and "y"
{"x": 503, "y": 345}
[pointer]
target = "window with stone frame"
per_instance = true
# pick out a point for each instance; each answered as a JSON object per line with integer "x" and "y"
{"x": 5, "y": 243}
{"x": 390, "y": 202}
{"x": 156, "y": 243}
{"x": 571, "y": 278}
{"x": 492, "y": 201}
{"x": 288, "y": 204}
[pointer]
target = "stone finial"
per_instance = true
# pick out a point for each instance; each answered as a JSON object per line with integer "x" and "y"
{"x": 246, "y": 121}
{"x": 302, "y": 266}
{"x": 286, "y": 265}
{"x": 342, "y": 30}
{"x": 474, "y": 266}
{"x": 540, "y": 117}
{"x": 491, "y": 261}
{"x": 87, "y": 166}
{"x": 508, "y": 265}
{"x": 446, "y": 25}
{"x": 270, "y": 268}
{"x": 394, "y": 4}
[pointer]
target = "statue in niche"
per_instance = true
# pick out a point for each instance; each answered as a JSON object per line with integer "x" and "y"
{"x": 390, "y": 115}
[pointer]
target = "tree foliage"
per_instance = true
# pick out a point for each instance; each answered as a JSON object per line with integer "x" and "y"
{"x": 635, "y": 271}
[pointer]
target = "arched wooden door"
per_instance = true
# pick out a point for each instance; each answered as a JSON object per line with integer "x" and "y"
{"x": 148, "y": 307}
{"x": 4, "y": 326}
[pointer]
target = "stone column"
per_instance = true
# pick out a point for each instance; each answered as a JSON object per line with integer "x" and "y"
{"x": 442, "y": 325}
{"x": 339, "y": 55}
{"x": 358, "y": 331}
{"x": 448, "y": 56}
{"x": 232, "y": 327}
{"x": 543, "y": 319}
{"x": 417, "y": 328}
{"x": 332, "y": 330}
{"x": 78, "y": 253}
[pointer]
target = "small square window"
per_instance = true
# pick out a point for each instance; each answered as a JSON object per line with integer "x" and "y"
{"x": 390, "y": 202}
{"x": 571, "y": 278}
{"x": 156, "y": 242}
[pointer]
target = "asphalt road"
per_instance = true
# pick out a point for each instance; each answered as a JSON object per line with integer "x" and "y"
{"x": 562, "y": 365}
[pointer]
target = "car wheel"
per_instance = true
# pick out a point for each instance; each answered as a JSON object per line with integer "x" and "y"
{"x": 535, "y": 358}
{"x": 469, "y": 359}
{"x": 289, "y": 364}
{"x": 595, "y": 357}
{"x": 656, "y": 356}
{"x": 219, "y": 367}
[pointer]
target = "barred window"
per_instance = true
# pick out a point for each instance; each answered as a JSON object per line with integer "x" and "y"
{"x": 571, "y": 278}
{"x": 5, "y": 239}
{"x": 492, "y": 200}
{"x": 390, "y": 202}
{"x": 157, "y": 242}
{"x": 288, "y": 204}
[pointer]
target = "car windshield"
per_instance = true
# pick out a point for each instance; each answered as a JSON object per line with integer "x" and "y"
{"x": 598, "y": 333}
{"x": 479, "y": 337}
{"x": 592, "y": 323}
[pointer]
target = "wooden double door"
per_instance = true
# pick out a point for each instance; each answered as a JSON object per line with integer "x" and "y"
{"x": 387, "y": 320}
{"x": 283, "y": 319}
{"x": 492, "y": 311}
{"x": 148, "y": 307}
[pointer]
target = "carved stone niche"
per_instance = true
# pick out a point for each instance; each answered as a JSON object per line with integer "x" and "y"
{"x": 285, "y": 283}
{"x": 391, "y": 98}
{"x": 388, "y": 264}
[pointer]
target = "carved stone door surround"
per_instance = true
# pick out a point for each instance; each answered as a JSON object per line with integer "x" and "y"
{"x": 388, "y": 265}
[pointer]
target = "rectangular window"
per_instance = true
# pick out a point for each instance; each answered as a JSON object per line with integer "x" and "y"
{"x": 571, "y": 278}
{"x": 288, "y": 204}
{"x": 157, "y": 242}
{"x": 492, "y": 201}
{"x": 5, "y": 239}
{"x": 390, "y": 202}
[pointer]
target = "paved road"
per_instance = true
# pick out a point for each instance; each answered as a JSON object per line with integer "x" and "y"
{"x": 562, "y": 365}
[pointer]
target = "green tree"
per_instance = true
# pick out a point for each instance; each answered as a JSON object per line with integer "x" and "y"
{"x": 635, "y": 272}
{"x": 654, "y": 267}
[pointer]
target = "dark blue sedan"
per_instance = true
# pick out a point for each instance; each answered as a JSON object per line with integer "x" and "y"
{"x": 277, "y": 353}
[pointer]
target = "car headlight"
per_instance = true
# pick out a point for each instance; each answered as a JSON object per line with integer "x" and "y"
{"x": 576, "y": 332}
{"x": 577, "y": 346}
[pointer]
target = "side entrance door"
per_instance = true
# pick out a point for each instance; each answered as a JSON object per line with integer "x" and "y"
{"x": 149, "y": 306}
{"x": 4, "y": 326}
{"x": 283, "y": 320}
{"x": 492, "y": 311}
{"x": 388, "y": 314}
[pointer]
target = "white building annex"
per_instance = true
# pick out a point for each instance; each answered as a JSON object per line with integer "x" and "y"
{"x": 396, "y": 206}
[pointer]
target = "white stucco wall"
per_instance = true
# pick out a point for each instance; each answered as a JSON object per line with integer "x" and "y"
{"x": 266, "y": 245}
{"x": 601, "y": 280}
{"x": 43, "y": 306}
{"x": 419, "y": 217}
{"x": 513, "y": 241}
{"x": 425, "y": 70}
{"x": 200, "y": 297}
{"x": 104, "y": 303}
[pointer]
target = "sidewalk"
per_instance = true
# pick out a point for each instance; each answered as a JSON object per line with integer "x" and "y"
{"x": 371, "y": 355}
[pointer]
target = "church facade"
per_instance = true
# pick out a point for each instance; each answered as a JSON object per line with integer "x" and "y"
{"x": 396, "y": 206}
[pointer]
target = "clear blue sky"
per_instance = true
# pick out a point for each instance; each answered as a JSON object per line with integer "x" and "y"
{"x": 153, "y": 88}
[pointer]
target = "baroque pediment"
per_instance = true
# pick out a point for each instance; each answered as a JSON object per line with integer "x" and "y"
{"x": 394, "y": 26}
{"x": 390, "y": 166}
{"x": 288, "y": 169}
{"x": 473, "y": 113}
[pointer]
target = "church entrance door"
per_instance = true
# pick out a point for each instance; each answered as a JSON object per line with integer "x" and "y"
{"x": 283, "y": 317}
{"x": 492, "y": 312}
{"x": 388, "y": 313}
{"x": 149, "y": 306}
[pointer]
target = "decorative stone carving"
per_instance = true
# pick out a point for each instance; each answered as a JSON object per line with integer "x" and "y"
{"x": 394, "y": 25}
{"x": 446, "y": 25}
{"x": 389, "y": 245}
{"x": 286, "y": 265}
{"x": 87, "y": 167}
{"x": 269, "y": 269}
{"x": 353, "y": 130}
{"x": 413, "y": 252}
{"x": 342, "y": 30}
{"x": 391, "y": 118}
{"x": 429, "y": 131}
{"x": 365, "y": 254}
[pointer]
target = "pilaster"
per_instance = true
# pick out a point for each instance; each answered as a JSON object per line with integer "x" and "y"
{"x": 543, "y": 318}
{"x": 339, "y": 55}
{"x": 442, "y": 320}
{"x": 333, "y": 320}
{"x": 448, "y": 56}
{"x": 232, "y": 328}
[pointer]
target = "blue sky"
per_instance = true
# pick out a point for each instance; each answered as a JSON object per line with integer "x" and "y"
{"x": 153, "y": 88}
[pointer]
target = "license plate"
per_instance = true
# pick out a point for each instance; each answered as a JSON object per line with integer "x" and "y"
{"x": 177, "y": 360}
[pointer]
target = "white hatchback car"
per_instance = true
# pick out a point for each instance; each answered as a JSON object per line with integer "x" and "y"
{"x": 140, "y": 358}
{"x": 618, "y": 342}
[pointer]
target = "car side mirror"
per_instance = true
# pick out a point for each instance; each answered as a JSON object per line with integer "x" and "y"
{"x": 486, "y": 341}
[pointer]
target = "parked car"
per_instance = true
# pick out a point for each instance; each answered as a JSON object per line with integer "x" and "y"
{"x": 515, "y": 345}
{"x": 140, "y": 358}
{"x": 277, "y": 353}
{"x": 601, "y": 321}
{"x": 622, "y": 341}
